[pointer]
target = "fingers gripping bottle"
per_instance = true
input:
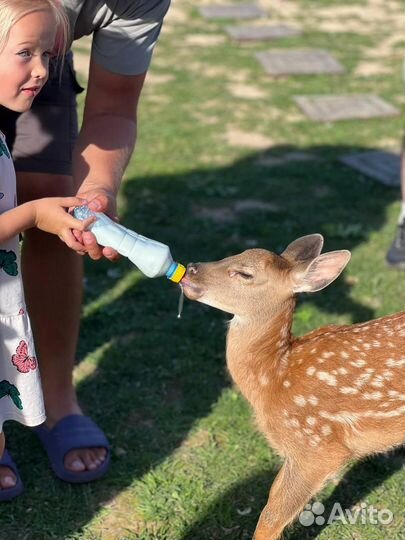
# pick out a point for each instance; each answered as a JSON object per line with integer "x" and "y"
{"x": 152, "y": 258}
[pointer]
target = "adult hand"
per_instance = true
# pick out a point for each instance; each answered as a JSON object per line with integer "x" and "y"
{"x": 99, "y": 200}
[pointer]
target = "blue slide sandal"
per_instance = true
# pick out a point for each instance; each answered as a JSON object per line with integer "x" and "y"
{"x": 71, "y": 433}
{"x": 6, "y": 494}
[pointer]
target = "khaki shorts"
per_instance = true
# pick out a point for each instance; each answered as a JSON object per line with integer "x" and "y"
{"x": 42, "y": 139}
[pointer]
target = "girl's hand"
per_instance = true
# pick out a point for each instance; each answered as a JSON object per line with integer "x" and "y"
{"x": 99, "y": 200}
{"x": 50, "y": 215}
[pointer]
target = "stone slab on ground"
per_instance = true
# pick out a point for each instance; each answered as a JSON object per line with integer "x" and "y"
{"x": 232, "y": 11}
{"x": 262, "y": 32}
{"x": 382, "y": 165}
{"x": 299, "y": 62}
{"x": 331, "y": 108}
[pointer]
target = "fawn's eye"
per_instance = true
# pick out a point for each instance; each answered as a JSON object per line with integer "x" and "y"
{"x": 242, "y": 274}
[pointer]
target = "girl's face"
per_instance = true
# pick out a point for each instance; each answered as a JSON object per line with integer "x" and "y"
{"x": 24, "y": 61}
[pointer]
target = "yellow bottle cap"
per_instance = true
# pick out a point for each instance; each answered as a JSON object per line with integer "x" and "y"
{"x": 176, "y": 272}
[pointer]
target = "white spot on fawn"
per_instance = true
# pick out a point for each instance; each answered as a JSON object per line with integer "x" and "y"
{"x": 326, "y": 430}
{"x": 300, "y": 401}
{"x": 378, "y": 382}
{"x": 263, "y": 380}
{"x": 348, "y": 390}
{"x": 311, "y": 420}
{"x": 313, "y": 400}
{"x": 362, "y": 380}
{"x": 395, "y": 363}
{"x": 359, "y": 363}
{"x": 343, "y": 417}
{"x": 327, "y": 377}
{"x": 372, "y": 395}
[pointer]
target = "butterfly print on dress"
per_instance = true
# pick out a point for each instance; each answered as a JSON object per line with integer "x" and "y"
{"x": 22, "y": 360}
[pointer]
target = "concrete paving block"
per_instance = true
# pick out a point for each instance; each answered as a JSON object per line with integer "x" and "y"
{"x": 262, "y": 32}
{"x": 299, "y": 62}
{"x": 381, "y": 165}
{"x": 331, "y": 108}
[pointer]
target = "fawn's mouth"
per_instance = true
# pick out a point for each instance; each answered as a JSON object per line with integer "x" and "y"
{"x": 191, "y": 290}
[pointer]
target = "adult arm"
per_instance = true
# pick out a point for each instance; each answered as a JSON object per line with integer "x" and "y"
{"x": 105, "y": 143}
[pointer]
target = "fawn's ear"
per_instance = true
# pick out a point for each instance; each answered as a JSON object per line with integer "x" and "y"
{"x": 305, "y": 248}
{"x": 319, "y": 273}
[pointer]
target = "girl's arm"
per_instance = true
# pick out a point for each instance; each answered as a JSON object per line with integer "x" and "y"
{"x": 48, "y": 215}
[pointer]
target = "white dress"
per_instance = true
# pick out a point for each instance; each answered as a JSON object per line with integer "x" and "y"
{"x": 20, "y": 385}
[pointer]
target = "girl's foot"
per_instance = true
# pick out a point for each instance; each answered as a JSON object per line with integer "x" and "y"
{"x": 10, "y": 482}
{"x": 77, "y": 448}
{"x": 7, "y": 477}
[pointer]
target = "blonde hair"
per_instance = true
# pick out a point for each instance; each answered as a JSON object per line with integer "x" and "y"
{"x": 11, "y": 11}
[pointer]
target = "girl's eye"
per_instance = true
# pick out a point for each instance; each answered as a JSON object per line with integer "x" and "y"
{"x": 24, "y": 54}
{"x": 48, "y": 54}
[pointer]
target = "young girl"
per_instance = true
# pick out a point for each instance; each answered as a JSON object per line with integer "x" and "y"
{"x": 31, "y": 31}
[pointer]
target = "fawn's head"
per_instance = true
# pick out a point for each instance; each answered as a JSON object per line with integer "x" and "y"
{"x": 260, "y": 282}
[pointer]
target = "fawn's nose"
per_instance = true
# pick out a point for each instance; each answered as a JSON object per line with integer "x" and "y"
{"x": 192, "y": 268}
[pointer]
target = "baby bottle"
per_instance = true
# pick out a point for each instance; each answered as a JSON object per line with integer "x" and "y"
{"x": 152, "y": 258}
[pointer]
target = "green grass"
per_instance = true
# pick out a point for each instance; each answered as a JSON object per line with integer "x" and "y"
{"x": 188, "y": 463}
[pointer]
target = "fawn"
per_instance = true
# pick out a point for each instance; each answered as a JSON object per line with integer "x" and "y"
{"x": 322, "y": 399}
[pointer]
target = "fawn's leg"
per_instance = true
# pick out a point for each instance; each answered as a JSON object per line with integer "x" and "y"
{"x": 294, "y": 485}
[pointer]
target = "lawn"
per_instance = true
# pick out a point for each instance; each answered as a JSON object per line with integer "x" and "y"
{"x": 214, "y": 130}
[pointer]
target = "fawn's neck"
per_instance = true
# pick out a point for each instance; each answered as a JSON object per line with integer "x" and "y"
{"x": 258, "y": 348}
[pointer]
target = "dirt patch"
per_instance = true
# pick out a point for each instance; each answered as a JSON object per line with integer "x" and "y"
{"x": 248, "y": 139}
{"x": 210, "y": 104}
{"x": 119, "y": 518}
{"x": 204, "y": 119}
{"x": 370, "y": 69}
{"x": 359, "y": 19}
{"x": 281, "y": 8}
{"x": 205, "y": 40}
{"x": 387, "y": 47}
{"x": 239, "y": 76}
{"x": 200, "y": 438}
{"x": 205, "y": 70}
{"x": 390, "y": 144}
{"x": 245, "y": 91}
{"x": 158, "y": 78}
{"x": 158, "y": 99}
{"x": 175, "y": 15}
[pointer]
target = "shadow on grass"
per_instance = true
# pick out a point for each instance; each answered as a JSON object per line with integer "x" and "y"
{"x": 148, "y": 376}
{"x": 251, "y": 496}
